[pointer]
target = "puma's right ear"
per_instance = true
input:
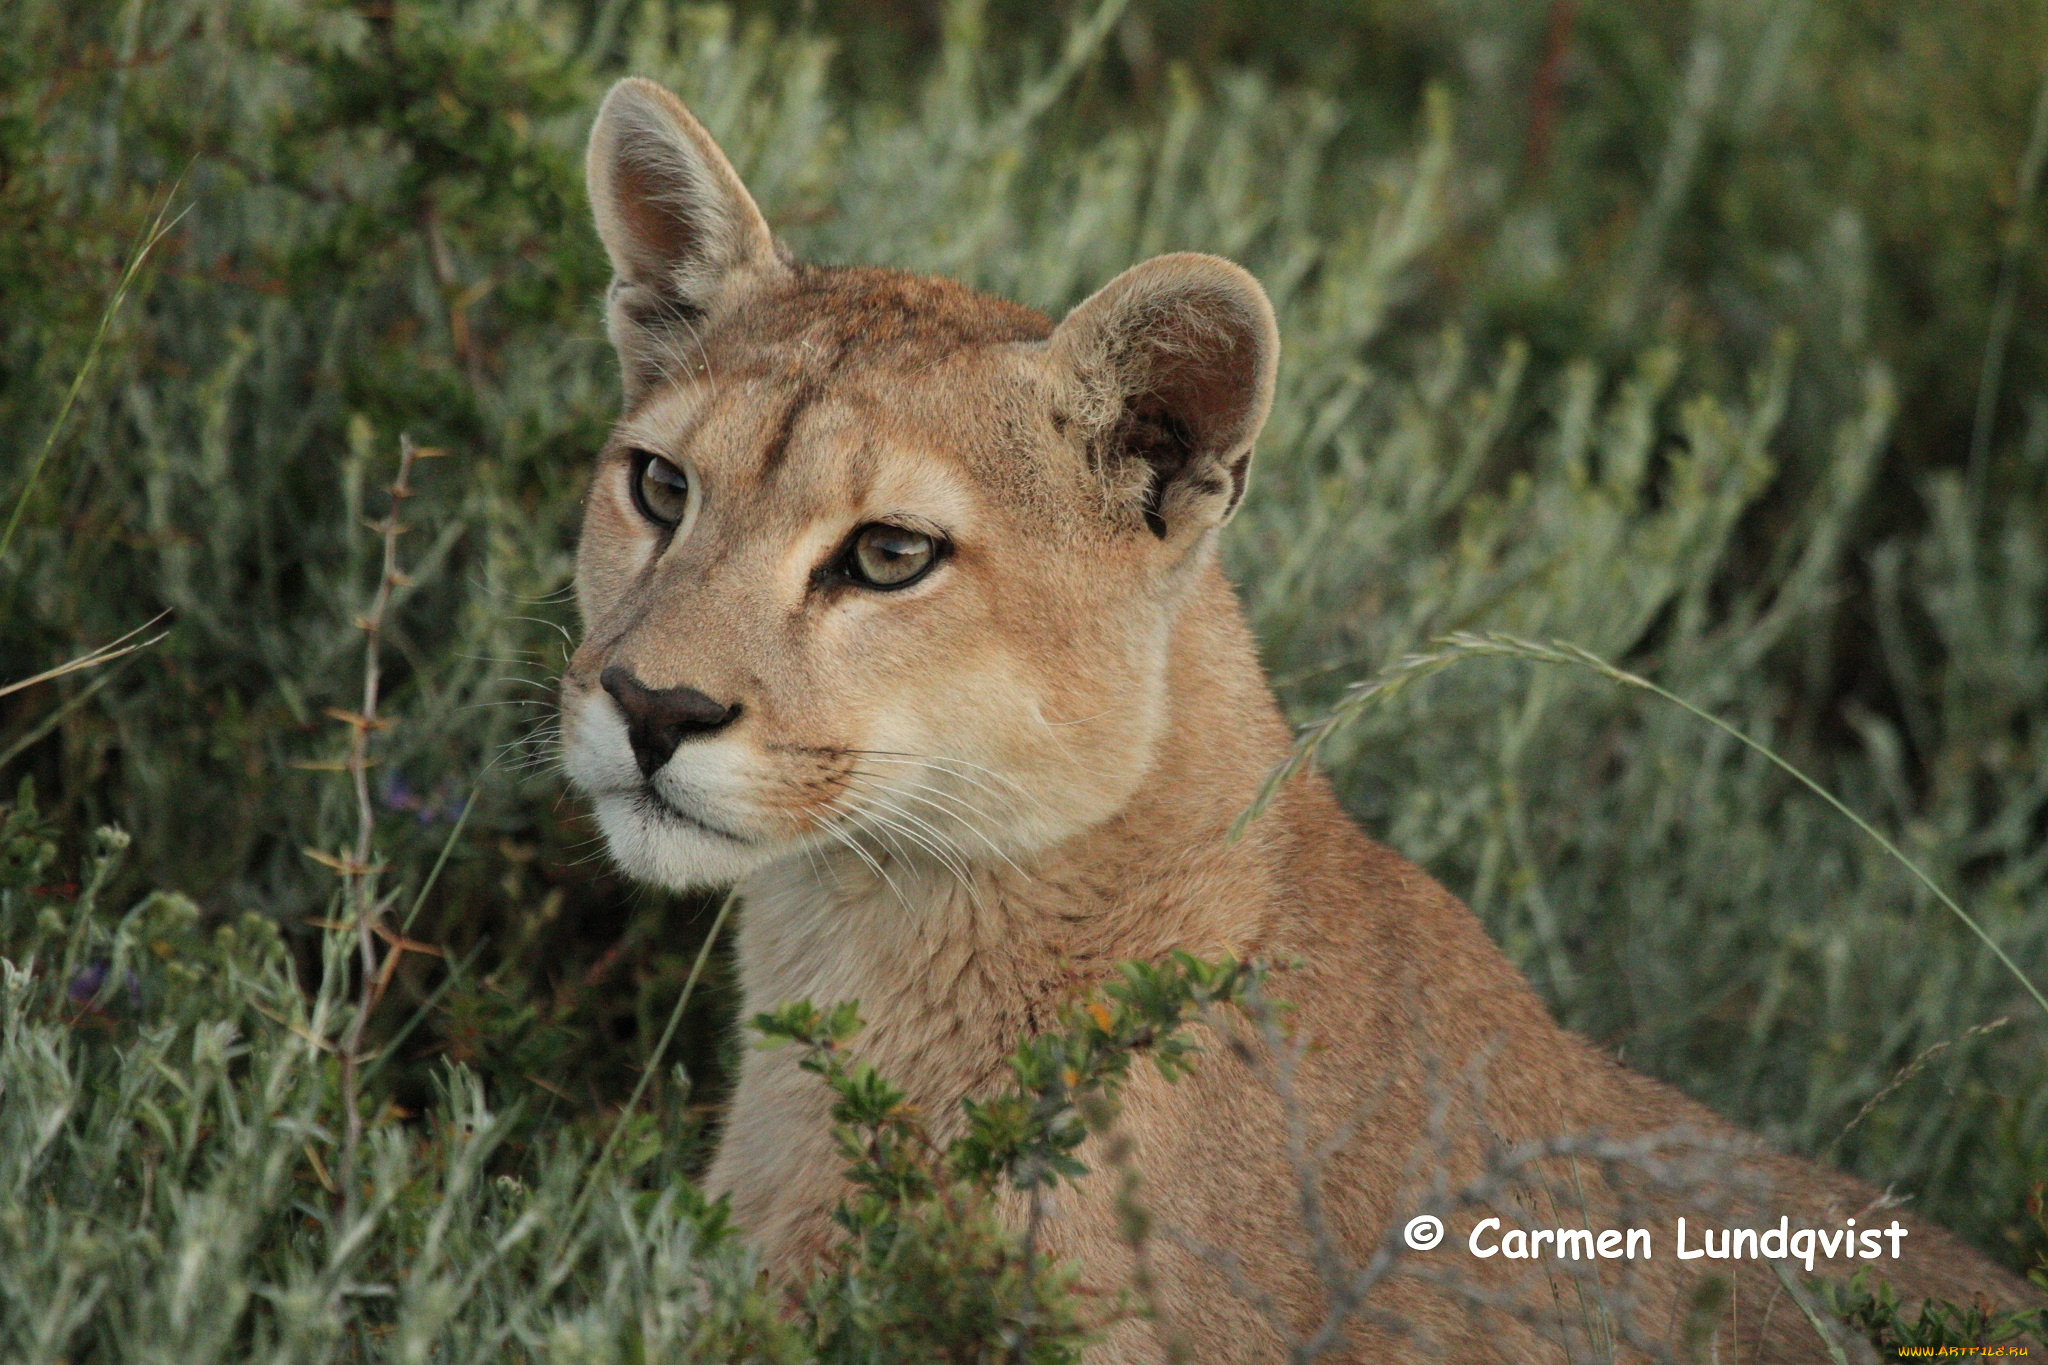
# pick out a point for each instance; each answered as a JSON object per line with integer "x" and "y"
{"x": 1175, "y": 360}
{"x": 684, "y": 236}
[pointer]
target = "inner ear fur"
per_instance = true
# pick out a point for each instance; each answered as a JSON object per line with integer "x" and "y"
{"x": 1175, "y": 360}
{"x": 685, "y": 238}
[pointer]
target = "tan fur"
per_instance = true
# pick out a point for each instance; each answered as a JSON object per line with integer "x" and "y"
{"x": 964, "y": 802}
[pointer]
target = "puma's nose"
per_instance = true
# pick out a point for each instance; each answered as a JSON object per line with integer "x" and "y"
{"x": 660, "y": 718}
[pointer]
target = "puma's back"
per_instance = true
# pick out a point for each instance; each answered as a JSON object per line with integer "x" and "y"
{"x": 902, "y": 613}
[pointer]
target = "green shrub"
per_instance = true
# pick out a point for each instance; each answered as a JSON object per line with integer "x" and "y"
{"x": 170, "y": 1133}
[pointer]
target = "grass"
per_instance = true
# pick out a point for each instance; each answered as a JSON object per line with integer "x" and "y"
{"x": 1466, "y": 646}
{"x": 1697, "y": 390}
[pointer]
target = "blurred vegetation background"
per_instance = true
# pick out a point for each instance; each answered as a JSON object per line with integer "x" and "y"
{"x": 1706, "y": 335}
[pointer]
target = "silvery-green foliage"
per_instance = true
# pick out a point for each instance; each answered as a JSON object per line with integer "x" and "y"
{"x": 163, "y": 1194}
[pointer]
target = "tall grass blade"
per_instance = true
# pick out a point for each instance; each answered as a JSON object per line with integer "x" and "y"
{"x": 1465, "y": 644}
{"x": 158, "y": 229}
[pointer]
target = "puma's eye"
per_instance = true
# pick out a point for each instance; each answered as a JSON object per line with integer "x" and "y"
{"x": 660, "y": 490}
{"x": 884, "y": 556}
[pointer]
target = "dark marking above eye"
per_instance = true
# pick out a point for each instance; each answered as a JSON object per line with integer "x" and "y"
{"x": 821, "y": 358}
{"x": 776, "y": 452}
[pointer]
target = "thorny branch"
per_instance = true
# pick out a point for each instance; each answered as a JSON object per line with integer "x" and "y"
{"x": 1676, "y": 1159}
{"x": 358, "y": 872}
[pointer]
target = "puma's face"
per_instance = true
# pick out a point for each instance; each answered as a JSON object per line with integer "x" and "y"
{"x": 878, "y": 571}
{"x": 871, "y": 561}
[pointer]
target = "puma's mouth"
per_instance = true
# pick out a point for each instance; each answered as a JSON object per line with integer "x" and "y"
{"x": 657, "y": 839}
{"x": 655, "y": 806}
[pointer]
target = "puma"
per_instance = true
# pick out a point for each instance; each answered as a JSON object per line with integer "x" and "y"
{"x": 903, "y": 614}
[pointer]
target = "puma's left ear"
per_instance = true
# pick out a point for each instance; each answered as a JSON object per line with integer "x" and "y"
{"x": 685, "y": 238}
{"x": 1175, "y": 361}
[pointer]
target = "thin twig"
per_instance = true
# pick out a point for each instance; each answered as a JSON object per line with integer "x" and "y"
{"x": 1544, "y": 90}
{"x": 1678, "y": 1159}
{"x": 93, "y": 658}
{"x": 1027, "y": 1311}
{"x": 456, "y": 299}
{"x": 358, "y": 871}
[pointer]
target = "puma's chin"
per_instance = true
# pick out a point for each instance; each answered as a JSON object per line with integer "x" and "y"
{"x": 657, "y": 842}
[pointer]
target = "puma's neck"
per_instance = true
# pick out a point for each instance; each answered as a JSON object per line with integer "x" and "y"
{"x": 952, "y": 970}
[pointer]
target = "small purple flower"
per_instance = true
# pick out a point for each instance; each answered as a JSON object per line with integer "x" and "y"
{"x": 86, "y": 984}
{"x": 432, "y": 809}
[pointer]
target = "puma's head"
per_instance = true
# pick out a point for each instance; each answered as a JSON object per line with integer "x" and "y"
{"x": 871, "y": 559}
